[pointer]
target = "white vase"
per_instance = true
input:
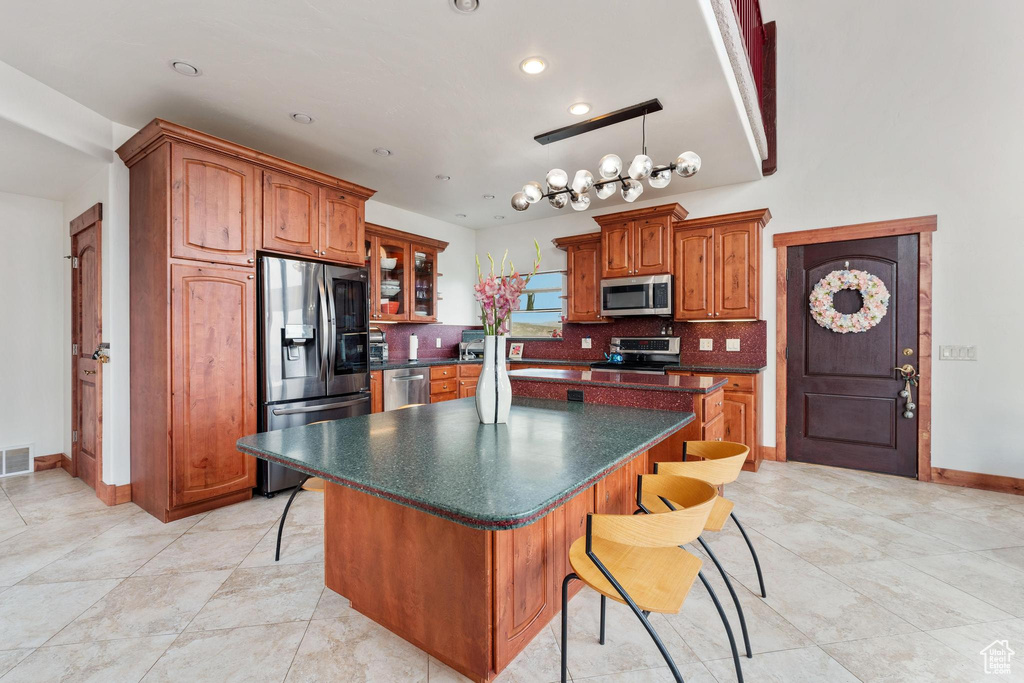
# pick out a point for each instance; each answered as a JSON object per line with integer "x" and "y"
{"x": 493, "y": 389}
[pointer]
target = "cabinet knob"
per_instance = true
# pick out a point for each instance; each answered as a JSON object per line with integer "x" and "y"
{"x": 251, "y": 277}
{"x": 716, "y": 314}
{"x": 323, "y": 253}
{"x": 252, "y": 260}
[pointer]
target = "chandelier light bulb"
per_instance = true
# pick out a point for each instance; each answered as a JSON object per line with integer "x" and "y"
{"x": 581, "y": 202}
{"x": 557, "y": 179}
{"x": 609, "y": 167}
{"x": 533, "y": 191}
{"x": 606, "y": 191}
{"x": 641, "y": 167}
{"x": 559, "y": 200}
{"x": 687, "y": 164}
{"x": 520, "y": 202}
{"x": 583, "y": 181}
{"x": 660, "y": 179}
{"x": 631, "y": 189}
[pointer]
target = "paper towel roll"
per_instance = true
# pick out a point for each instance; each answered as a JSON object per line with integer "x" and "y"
{"x": 414, "y": 347}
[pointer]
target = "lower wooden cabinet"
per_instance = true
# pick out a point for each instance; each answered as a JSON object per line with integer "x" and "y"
{"x": 377, "y": 391}
{"x": 740, "y": 400}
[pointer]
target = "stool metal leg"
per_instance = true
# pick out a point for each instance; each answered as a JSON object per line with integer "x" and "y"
{"x": 565, "y": 622}
{"x": 753, "y": 553}
{"x": 604, "y": 608}
{"x": 284, "y": 515}
{"x": 728, "y": 629}
{"x": 732, "y": 592}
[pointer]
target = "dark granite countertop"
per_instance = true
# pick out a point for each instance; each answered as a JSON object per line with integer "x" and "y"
{"x": 622, "y": 380}
{"x": 724, "y": 369}
{"x": 439, "y": 458}
{"x": 399, "y": 363}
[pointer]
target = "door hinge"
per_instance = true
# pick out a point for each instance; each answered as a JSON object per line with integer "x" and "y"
{"x": 74, "y": 261}
{"x": 74, "y": 349}
{"x": 74, "y": 436}
{"x": 787, "y": 353}
{"x": 787, "y": 274}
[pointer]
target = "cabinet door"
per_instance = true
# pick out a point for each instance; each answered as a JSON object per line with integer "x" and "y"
{"x": 613, "y": 493}
{"x": 372, "y": 263}
{"x": 617, "y": 248}
{"x": 377, "y": 391}
{"x": 653, "y": 246}
{"x": 694, "y": 266}
{"x": 584, "y": 286}
{"x": 213, "y": 200}
{"x": 738, "y": 411}
{"x": 213, "y": 381}
{"x": 524, "y": 571}
{"x": 424, "y": 284}
{"x": 341, "y": 227}
{"x": 393, "y": 278}
{"x": 291, "y": 216}
{"x": 714, "y": 429}
{"x": 736, "y": 266}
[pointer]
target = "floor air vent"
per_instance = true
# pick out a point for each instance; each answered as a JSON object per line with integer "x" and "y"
{"x": 15, "y": 460}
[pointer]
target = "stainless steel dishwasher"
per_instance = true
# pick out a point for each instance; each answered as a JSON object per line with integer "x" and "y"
{"x": 406, "y": 386}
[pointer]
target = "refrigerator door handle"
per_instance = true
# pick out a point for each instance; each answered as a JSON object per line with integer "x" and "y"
{"x": 325, "y": 328}
{"x": 333, "y": 323}
{"x": 319, "y": 408}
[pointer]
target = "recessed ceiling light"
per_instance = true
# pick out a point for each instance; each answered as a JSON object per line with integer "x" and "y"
{"x": 185, "y": 69}
{"x": 488, "y": 196}
{"x": 499, "y": 218}
{"x": 302, "y": 118}
{"x": 579, "y": 109}
{"x": 460, "y": 215}
{"x": 533, "y": 65}
{"x": 464, "y": 6}
{"x": 441, "y": 176}
{"x": 382, "y": 151}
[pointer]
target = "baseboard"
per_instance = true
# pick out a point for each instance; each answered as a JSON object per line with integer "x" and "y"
{"x": 977, "y": 480}
{"x": 111, "y": 494}
{"x": 46, "y": 462}
{"x": 65, "y": 463}
{"x": 768, "y": 452}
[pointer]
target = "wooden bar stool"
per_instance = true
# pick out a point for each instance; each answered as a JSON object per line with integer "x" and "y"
{"x": 639, "y": 560}
{"x": 721, "y": 464}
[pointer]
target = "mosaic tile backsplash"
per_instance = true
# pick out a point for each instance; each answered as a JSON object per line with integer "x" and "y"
{"x": 753, "y": 338}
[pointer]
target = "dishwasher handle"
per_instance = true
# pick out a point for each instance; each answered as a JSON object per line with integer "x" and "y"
{"x": 407, "y": 378}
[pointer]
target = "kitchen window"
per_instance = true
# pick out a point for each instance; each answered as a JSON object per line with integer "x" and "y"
{"x": 541, "y": 308}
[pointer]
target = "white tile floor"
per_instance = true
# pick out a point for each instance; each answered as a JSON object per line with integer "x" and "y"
{"x": 869, "y": 578}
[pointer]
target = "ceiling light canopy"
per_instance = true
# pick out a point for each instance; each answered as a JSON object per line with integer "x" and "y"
{"x": 299, "y": 117}
{"x": 185, "y": 69}
{"x": 533, "y": 65}
{"x": 579, "y": 109}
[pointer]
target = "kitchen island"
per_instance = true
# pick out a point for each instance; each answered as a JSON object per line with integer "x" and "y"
{"x": 455, "y": 535}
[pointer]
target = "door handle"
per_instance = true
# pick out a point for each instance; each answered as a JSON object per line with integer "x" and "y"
{"x": 407, "y": 378}
{"x": 333, "y": 325}
{"x": 317, "y": 409}
{"x": 323, "y": 330}
{"x": 89, "y": 372}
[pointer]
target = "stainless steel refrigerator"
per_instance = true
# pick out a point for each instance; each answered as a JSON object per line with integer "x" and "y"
{"x": 314, "y": 350}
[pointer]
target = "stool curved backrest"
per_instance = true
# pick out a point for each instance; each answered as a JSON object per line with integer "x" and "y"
{"x": 721, "y": 462}
{"x": 666, "y": 530}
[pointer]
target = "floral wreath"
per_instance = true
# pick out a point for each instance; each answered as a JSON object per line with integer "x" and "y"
{"x": 872, "y": 291}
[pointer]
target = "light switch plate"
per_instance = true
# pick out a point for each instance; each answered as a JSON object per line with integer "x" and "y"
{"x": 585, "y": 343}
{"x": 438, "y": 342}
{"x": 707, "y": 344}
{"x": 732, "y": 344}
{"x": 958, "y": 352}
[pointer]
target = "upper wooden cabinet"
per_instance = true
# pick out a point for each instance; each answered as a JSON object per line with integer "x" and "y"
{"x": 638, "y": 242}
{"x": 214, "y": 199}
{"x": 403, "y": 274}
{"x": 341, "y": 226}
{"x": 717, "y": 266}
{"x": 291, "y": 215}
{"x": 583, "y": 277}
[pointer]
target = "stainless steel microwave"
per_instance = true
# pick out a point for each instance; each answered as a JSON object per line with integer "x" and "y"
{"x": 650, "y": 295}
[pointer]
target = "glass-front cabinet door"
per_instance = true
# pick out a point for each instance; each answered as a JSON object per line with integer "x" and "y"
{"x": 393, "y": 274}
{"x": 424, "y": 284}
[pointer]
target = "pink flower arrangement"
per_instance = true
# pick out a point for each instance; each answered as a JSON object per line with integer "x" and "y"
{"x": 499, "y": 294}
{"x": 872, "y": 291}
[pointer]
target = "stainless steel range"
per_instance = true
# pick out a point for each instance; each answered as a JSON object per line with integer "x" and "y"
{"x": 644, "y": 355}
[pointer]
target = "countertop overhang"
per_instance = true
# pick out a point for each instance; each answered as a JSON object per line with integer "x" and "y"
{"x": 438, "y": 458}
{"x": 622, "y": 380}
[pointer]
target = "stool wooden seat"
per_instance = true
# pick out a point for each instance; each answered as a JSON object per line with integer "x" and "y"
{"x": 638, "y": 560}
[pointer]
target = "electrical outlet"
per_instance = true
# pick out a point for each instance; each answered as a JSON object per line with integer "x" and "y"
{"x": 732, "y": 344}
{"x": 438, "y": 342}
{"x": 585, "y": 343}
{"x": 707, "y": 344}
{"x": 958, "y": 353}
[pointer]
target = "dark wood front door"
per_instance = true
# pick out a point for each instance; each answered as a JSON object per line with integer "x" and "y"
{"x": 86, "y": 335}
{"x": 843, "y": 406}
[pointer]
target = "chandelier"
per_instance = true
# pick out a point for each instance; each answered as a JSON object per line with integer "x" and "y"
{"x": 561, "y": 192}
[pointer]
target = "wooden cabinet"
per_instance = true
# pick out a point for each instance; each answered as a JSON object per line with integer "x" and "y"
{"x": 443, "y": 383}
{"x": 214, "y": 203}
{"x": 717, "y": 266}
{"x": 377, "y": 391}
{"x": 469, "y": 375}
{"x": 583, "y": 277}
{"x": 638, "y": 242}
{"x": 524, "y": 564}
{"x": 403, "y": 274}
{"x": 200, "y": 208}
{"x": 213, "y": 382}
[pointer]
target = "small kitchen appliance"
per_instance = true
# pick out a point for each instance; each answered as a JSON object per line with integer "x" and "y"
{"x": 625, "y": 296}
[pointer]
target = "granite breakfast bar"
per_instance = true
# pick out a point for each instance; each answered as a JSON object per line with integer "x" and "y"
{"x": 455, "y": 535}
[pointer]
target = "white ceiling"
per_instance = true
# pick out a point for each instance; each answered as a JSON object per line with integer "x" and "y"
{"x": 442, "y": 90}
{"x": 34, "y": 164}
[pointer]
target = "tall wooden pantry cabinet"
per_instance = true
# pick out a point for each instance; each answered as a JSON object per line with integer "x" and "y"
{"x": 200, "y": 210}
